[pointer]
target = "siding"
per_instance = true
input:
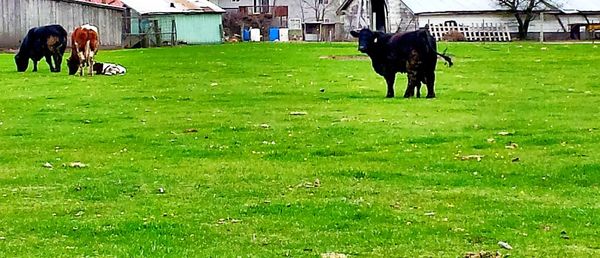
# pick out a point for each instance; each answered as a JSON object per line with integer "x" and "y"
{"x": 199, "y": 28}
{"x": 18, "y": 16}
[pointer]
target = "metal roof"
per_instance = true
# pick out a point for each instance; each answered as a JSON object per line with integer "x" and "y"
{"x": 438, "y": 6}
{"x": 580, "y": 6}
{"x": 172, "y": 6}
{"x": 449, "y": 6}
{"x": 116, "y": 3}
{"x": 93, "y": 4}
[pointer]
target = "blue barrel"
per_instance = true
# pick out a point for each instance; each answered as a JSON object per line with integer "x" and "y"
{"x": 273, "y": 34}
{"x": 246, "y": 34}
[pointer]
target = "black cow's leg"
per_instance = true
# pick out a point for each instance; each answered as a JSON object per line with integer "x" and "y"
{"x": 389, "y": 79}
{"x": 35, "y": 66}
{"x": 412, "y": 70}
{"x": 57, "y": 62}
{"x": 49, "y": 61}
{"x": 413, "y": 83}
{"x": 430, "y": 81}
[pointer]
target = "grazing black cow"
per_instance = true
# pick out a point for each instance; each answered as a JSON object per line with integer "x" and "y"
{"x": 414, "y": 53}
{"x": 46, "y": 41}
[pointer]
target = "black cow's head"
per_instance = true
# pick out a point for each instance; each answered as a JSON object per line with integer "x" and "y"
{"x": 366, "y": 39}
{"x": 22, "y": 62}
{"x": 73, "y": 64}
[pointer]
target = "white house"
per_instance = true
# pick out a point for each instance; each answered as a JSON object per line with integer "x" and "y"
{"x": 293, "y": 14}
{"x": 403, "y": 15}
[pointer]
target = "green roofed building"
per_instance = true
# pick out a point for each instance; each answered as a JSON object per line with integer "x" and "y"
{"x": 168, "y": 22}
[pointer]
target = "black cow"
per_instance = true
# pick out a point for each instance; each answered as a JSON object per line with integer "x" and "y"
{"x": 46, "y": 41}
{"x": 414, "y": 53}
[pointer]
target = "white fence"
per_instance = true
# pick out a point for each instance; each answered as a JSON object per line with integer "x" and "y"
{"x": 473, "y": 32}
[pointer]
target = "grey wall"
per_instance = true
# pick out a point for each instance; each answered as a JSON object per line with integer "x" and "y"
{"x": 18, "y": 16}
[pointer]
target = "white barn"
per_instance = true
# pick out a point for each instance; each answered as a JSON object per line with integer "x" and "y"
{"x": 403, "y": 15}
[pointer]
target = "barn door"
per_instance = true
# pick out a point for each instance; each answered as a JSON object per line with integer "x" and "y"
{"x": 379, "y": 15}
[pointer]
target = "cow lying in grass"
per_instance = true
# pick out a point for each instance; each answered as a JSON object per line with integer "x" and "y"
{"x": 414, "y": 53}
{"x": 109, "y": 69}
{"x": 46, "y": 41}
{"x": 84, "y": 46}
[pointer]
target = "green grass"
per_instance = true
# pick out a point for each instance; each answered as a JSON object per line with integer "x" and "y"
{"x": 211, "y": 125}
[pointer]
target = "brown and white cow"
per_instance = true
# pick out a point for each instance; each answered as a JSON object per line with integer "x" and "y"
{"x": 84, "y": 46}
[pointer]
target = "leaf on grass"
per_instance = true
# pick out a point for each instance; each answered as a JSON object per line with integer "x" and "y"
{"x": 505, "y": 133}
{"x": 266, "y": 126}
{"x": 563, "y": 235}
{"x": 333, "y": 255}
{"x": 298, "y": 113}
{"x": 483, "y": 254}
{"x": 505, "y": 245}
{"x": 317, "y": 183}
{"x": 77, "y": 164}
{"x": 511, "y": 146}
{"x": 47, "y": 165}
{"x": 472, "y": 157}
{"x": 191, "y": 130}
{"x": 228, "y": 220}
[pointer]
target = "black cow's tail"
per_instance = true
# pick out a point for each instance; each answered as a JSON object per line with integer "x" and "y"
{"x": 445, "y": 57}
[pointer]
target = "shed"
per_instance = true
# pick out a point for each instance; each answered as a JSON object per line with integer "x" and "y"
{"x": 21, "y": 15}
{"x": 173, "y": 21}
{"x": 403, "y": 15}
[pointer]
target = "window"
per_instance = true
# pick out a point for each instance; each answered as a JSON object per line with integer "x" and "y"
{"x": 295, "y": 24}
{"x": 261, "y": 6}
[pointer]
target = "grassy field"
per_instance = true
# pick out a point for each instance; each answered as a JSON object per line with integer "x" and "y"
{"x": 196, "y": 152}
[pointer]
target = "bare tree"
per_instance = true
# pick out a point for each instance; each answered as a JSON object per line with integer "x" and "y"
{"x": 525, "y": 11}
{"x": 318, "y": 7}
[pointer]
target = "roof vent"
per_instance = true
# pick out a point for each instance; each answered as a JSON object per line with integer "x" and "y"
{"x": 172, "y": 5}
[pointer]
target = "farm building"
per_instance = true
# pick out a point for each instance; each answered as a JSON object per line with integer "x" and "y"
{"x": 168, "y": 22}
{"x": 21, "y": 15}
{"x": 403, "y": 15}
{"x": 318, "y": 19}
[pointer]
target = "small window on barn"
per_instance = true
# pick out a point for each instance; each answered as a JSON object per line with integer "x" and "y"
{"x": 324, "y": 2}
{"x": 235, "y": 1}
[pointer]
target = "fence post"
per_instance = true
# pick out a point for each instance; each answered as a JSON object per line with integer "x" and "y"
{"x": 542, "y": 27}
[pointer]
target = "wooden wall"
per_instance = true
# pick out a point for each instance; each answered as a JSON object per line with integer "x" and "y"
{"x": 18, "y": 16}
